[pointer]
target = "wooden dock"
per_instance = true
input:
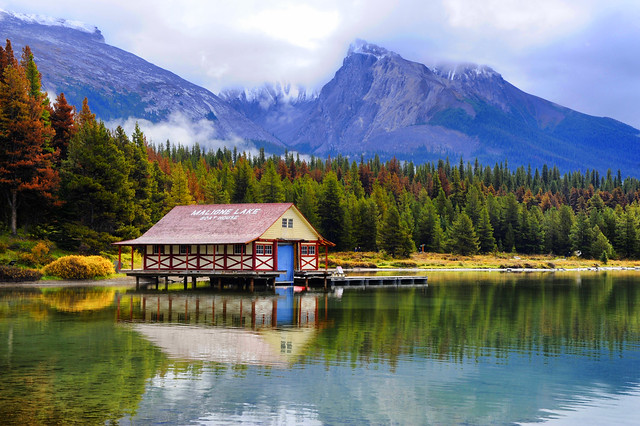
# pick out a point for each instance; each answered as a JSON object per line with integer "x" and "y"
{"x": 378, "y": 281}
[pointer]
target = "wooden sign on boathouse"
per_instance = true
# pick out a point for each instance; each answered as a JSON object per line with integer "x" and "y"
{"x": 251, "y": 240}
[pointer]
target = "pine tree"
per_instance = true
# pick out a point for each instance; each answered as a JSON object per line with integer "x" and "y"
{"x": 395, "y": 235}
{"x": 462, "y": 237}
{"x": 601, "y": 247}
{"x": 484, "y": 231}
{"x": 95, "y": 184}
{"x": 331, "y": 211}
{"x": 179, "y": 194}
{"x": 429, "y": 231}
{"x": 582, "y": 236}
{"x": 271, "y": 188}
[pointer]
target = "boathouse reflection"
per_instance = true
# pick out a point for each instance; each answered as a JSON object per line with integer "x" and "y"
{"x": 268, "y": 330}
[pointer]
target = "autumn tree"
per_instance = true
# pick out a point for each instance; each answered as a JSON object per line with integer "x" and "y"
{"x": 63, "y": 125}
{"x": 25, "y": 166}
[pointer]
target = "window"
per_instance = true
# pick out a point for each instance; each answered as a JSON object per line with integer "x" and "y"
{"x": 290, "y": 223}
{"x": 268, "y": 249}
{"x": 284, "y": 223}
{"x": 238, "y": 249}
{"x": 259, "y": 249}
{"x": 308, "y": 250}
{"x": 183, "y": 249}
{"x": 157, "y": 249}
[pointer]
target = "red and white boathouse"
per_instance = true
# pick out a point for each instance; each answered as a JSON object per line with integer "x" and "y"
{"x": 230, "y": 240}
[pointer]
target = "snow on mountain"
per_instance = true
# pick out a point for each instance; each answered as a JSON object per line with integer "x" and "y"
{"x": 49, "y": 21}
{"x": 121, "y": 87}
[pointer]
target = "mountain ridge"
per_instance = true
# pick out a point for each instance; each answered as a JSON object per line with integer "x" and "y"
{"x": 381, "y": 103}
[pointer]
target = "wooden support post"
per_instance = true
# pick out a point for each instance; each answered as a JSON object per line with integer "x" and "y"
{"x": 166, "y": 283}
{"x": 193, "y": 282}
{"x": 274, "y": 312}
{"x": 326, "y": 258}
{"x": 325, "y": 282}
{"x": 306, "y": 283}
{"x": 137, "y": 283}
{"x": 185, "y": 282}
{"x": 119, "y": 258}
{"x": 251, "y": 285}
{"x": 132, "y": 258}
{"x": 157, "y": 281}
{"x": 144, "y": 308}
{"x": 219, "y": 283}
{"x": 224, "y": 310}
{"x": 253, "y": 313}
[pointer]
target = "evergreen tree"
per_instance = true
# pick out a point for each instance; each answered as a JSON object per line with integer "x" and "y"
{"x": 305, "y": 197}
{"x": 601, "y": 247}
{"x": 429, "y": 232}
{"x": 484, "y": 230}
{"x": 179, "y": 194}
{"x": 564, "y": 226}
{"x": 395, "y": 235}
{"x": 271, "y": 187}
{"x": 331, "y": 211}
{"x": 244, "y": 182}
{"x": 582, "y": 235}
{"x": 95, "y": 185}
{"x": 627, "y": 239}
{"x": 462, "y": 237}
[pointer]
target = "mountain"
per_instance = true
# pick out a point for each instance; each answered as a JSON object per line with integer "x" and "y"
{"x": 381, "y": 103}
{"x": 74, "y": 58}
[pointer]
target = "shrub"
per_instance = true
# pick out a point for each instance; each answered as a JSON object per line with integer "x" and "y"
{"x": 80, "y": 267}
{"x": 15, "y": 274}
{"x": 3, "y": 248}
{"x": 39, "y": 255}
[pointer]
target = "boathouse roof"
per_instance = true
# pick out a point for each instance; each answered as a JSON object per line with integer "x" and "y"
{"x": 220, "y": 224}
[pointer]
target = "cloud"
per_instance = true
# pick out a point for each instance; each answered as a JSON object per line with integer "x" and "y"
{"x": 181, "y": 130}
{"x": 541, "y": 46}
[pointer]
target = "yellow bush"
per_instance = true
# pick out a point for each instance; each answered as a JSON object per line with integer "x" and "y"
{"x": 79, "y": 267}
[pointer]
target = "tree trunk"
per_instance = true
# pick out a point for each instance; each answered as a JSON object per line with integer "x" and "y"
{"x": 14, "y": 211}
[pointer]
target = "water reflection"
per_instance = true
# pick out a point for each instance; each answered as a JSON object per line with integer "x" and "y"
{"x": 470, "y": 348}
{"x": 265, "y": 330}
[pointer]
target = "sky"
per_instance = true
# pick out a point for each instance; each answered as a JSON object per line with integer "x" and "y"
{"x": 582, "y": 54}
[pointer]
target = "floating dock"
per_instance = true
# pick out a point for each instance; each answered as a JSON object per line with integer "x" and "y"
{"x": 378, "y": 281}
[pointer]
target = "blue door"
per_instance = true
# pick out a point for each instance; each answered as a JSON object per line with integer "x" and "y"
{"x": 285, "y": 263}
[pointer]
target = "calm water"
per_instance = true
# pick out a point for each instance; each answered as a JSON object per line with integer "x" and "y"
{"x": 472, "y": 348}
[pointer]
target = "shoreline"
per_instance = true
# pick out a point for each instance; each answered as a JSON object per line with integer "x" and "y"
{"x": 131, "y": 282}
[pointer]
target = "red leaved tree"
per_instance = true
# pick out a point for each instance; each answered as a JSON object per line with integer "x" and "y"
{"x": 25, "y": 165}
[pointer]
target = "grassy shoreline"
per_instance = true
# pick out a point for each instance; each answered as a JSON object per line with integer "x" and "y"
{"x": 496, "y": 261}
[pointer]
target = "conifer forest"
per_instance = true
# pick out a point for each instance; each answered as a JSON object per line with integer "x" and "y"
{"x": 67, "y": 178}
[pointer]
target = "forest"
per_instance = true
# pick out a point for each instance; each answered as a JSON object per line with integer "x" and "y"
{"x": 66, "y": 178}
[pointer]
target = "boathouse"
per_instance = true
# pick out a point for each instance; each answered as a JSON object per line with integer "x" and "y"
{"x": 237, "y": 240}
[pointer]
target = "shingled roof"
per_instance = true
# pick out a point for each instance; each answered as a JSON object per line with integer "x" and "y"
{"x": 214, "y": 224}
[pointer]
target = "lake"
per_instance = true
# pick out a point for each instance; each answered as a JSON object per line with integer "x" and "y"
{"x": 471, "y": 348}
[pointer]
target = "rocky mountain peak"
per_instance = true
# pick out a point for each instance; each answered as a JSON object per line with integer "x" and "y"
{"x": 363, "y": 48}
